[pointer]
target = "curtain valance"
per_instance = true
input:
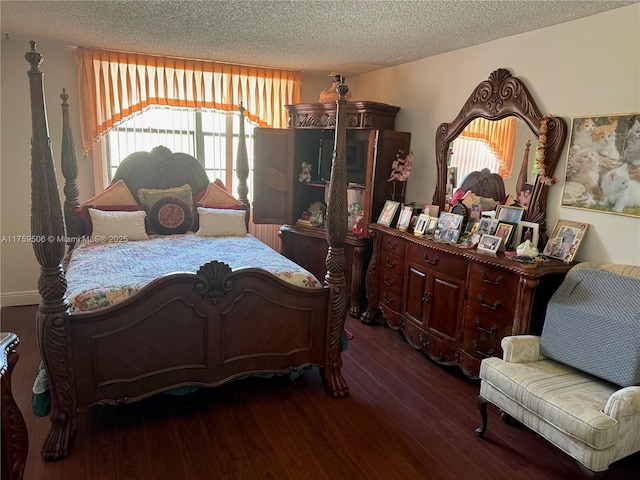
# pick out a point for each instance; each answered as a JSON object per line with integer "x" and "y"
{"x": 113, "y": 85}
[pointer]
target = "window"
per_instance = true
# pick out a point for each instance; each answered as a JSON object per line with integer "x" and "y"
{"x": 208, "y": 135}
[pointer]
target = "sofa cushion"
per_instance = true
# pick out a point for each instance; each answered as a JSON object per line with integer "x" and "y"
{"x": 570, "y": 400}
{"x": 593, "y": 324}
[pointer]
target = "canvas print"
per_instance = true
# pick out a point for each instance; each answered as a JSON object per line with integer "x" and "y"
{"x": 603, "y": 164}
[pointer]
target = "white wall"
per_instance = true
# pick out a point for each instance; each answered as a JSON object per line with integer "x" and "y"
{"x": 585, "y": 67}
{"x": 570, "y": 69}
{"x": 19, "y": 268}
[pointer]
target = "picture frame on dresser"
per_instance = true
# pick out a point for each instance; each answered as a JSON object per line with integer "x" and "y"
{"x": 505, "y": 231}
{"x": 489, "y": 243}
{"x": 432, "y": 224}
{"x": 565, "y": 239}
{"x": 449, "y": 225}
{"x": 405, "y": 218}
{"x": 388, "y": 213}
{"x": 526, "y": 231}
{"x": 421, "y": 224}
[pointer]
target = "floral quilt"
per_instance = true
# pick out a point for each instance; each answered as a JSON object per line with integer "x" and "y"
{"x": 103, "y": 274}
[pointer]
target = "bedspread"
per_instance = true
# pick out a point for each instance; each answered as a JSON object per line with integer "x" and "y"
{"x": 103, "y": 274}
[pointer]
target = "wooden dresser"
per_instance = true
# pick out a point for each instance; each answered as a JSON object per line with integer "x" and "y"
{"x": 455, "y": 304}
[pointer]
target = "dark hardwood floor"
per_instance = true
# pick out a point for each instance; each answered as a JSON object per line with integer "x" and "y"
{"x": 406, "y": 418}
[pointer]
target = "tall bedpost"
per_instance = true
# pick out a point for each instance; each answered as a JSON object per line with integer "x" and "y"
{"x": 336, "y": 225}
{"x": 242, "y": 162}
{"x": 70, "y": 172}
{"x": 47, "y": 227}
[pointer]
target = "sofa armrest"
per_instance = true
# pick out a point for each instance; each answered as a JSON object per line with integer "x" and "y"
{"x": 521, "y": 349}
{"x": 624, "y": 406}
{"x": 623, "y": 402}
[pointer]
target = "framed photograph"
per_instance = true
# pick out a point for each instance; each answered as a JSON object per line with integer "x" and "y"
{"x": 448, "y": 235}
{"x": 487, "y": 225}
{"x": 505, "y": 231}
{"x": 448, "y": 228}
{"x": 526, "y": 231}
{"x": 388, "y": 213}
{"x": 452, "y": 176}
{"x": 421, "y": 224}
{"x": 489, "y": 243}
{"x": 472, "y": 227}
{"x": 431, "y": 210}
{"x": 474, "y": 212}
{"x": 405, "y": 218}
{"x": 432, "y": 224}
{"x": 603, "y": 158}
{"x": 509, "y": 214}
{"x": 565, "y": 239}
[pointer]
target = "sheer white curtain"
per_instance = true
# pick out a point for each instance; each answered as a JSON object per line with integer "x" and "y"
{"x": 472, "y": 154}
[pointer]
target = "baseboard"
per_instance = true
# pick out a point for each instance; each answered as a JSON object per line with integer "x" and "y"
{"x": 16, "y": 299}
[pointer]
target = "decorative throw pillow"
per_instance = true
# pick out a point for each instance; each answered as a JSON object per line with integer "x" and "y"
{"x": 115, "y": 194}
{"x": 217, "y": 222}
{"x": 109, "y": 226}
{"x": 171, "y": 215}
{"x": 149, "y": 196}
{"x": 215, "y": 195}
{"x": 83, "y": 213}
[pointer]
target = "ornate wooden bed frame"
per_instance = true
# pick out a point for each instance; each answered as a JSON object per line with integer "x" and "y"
{"x": 183, "y": 329}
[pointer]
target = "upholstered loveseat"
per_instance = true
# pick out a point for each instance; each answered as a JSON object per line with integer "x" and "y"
{"x": 578, "y": 384}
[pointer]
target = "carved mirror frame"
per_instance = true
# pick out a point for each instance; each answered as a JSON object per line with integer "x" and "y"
{"x": 500, "y": 96}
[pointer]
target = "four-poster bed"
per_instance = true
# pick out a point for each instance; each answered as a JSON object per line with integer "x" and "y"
{"x": 192, "y": 328}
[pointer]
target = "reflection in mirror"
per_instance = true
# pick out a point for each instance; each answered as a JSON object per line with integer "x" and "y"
{"x": 504, "y": 148}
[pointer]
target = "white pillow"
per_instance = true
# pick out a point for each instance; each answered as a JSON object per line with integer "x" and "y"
{"x": 217, "y": 222}
{"x": 117, "y": 226}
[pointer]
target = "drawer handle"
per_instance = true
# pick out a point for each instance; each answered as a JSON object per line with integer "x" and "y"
{"x": 392, "y": 246}
{"x": 495, "y": 306}
{"x": 490, "y": 353}
{"x": 426, "y": 296}
{"x": 493, "y": 329}
{"x": 435, "y": 261}
{"x": 390, "y": 264}
{"x": 385, "y": 299}
{"x": 388, "y": 283}
{"x": 497, "y": 281}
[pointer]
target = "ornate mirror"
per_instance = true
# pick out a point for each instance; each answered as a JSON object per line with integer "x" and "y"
{"x": 501, "y": 96}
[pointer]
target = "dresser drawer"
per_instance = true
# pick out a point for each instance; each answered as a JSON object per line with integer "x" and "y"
{"x": 439, "y": 261}
{"x": 393, "y": 244}
{"x": 391, "y": 282}
{"x": 490, "y": 302}
{"x": 391, "y": 263}
{"x": 390, "y": 299}
{"x": 492, "y": 278}
{"x": 483, "y": 333}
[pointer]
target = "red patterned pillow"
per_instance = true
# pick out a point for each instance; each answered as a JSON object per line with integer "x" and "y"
{"x": 83, "y": 213}
{"x": 170, "y": 215}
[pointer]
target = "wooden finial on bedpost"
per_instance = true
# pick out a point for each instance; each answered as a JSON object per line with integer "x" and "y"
{"x": 52, "y": 319}
{"x": 336, "y": 225}
{"x": 70, "y": 172}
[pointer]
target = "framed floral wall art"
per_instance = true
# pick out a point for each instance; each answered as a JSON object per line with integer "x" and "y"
{"x": 603, "y": 164}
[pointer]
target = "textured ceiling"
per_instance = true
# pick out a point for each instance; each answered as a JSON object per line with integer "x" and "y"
{"x": 348, "y": 36}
